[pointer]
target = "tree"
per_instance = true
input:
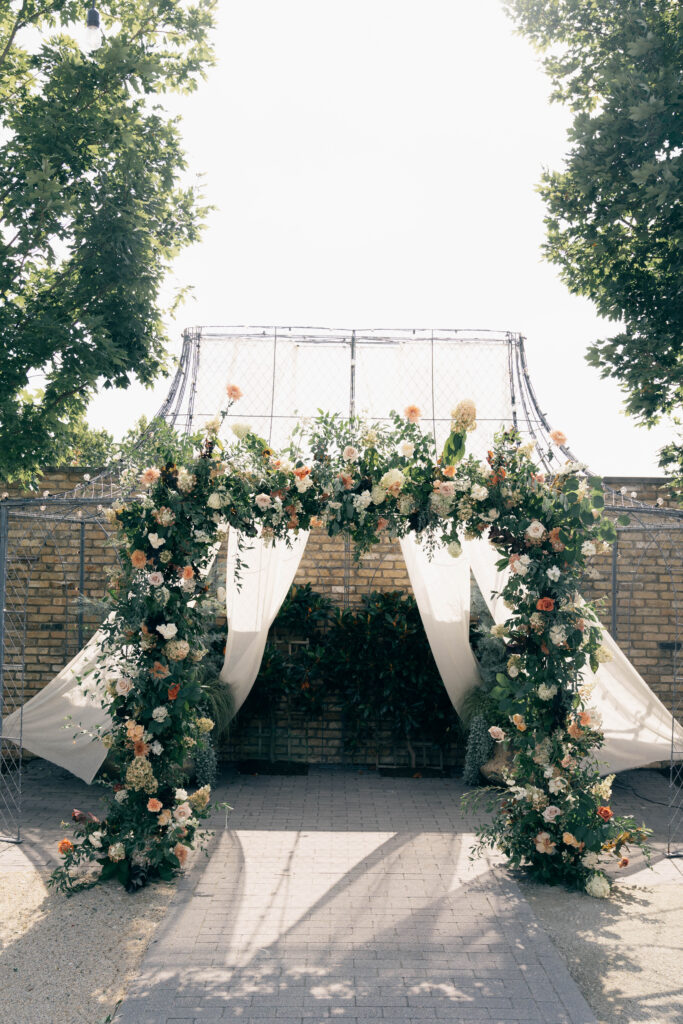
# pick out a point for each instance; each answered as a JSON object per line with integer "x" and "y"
{"x": 92, "y": 207}
{"x": 614, "y": 223}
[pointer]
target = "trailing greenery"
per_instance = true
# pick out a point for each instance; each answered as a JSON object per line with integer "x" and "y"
{"x": 479, "y": 750}
{"x": 94, "y": 208}
{"x": 614, "y": 220}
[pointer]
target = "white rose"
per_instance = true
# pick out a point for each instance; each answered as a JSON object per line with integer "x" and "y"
{"x": 180, "y": 795}
{"x": 551, "y": 812}
{"x": 160, "y": 714}
{"x": 155, "y": 540}
{"x": 590, "y": 860}
{"x": 168, "y": 630}
{"x": 263, "y": 501}
{"x": 303, "y": 485}
{"x": 96, "y": 839}
{"x": 535, "y": 531}
{"x": 350, "y": 454}
{"x": 588, "y": 549}
{"x": 123, "y": 686}
{"x": 546, "y": 692}
{"x": 156, "y": 748}
{"x": 214, "y": 500}
{"x": 182, "y": 812}
{"x": 553, "y": 573}
{"x": 392, "y": 480}
{"x": 121, "y": 795}
{"x": 407, "y": 449}
{"x": 479, "y": 493}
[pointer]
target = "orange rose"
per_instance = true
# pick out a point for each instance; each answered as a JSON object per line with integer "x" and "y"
{"x": 545, "y": 604}
{"x": 188, "y": 572}
{"x": 301, "y": 472}
{"x": 448, "y": 471}
{"x": 606, "y": 813}
{"x": 585, "y": 718}
{"x": 316, "y": 521}
{"x": 65, "y": 846}
{"x": 623, "y": 863}
{"x": 181, "y": 852}
{"x": 138, "y": 559}
{"x": 575, "y": 731}
{"x": 154, "y": 805}
{"x": 173, "y": 691}
{"x": 160, "y": 671}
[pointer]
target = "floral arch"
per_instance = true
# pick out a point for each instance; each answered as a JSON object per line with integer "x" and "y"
{"x": 362, "y": 480}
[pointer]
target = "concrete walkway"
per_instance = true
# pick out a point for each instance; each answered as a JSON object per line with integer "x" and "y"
{"x": 344, "y": 895}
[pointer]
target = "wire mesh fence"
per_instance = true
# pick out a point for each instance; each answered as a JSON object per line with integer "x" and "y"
{"x": 54, "y": 555}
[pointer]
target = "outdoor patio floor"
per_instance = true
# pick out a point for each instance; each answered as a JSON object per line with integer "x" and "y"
{"x": 345, "y": 895}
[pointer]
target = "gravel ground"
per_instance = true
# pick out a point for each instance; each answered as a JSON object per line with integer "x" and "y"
{"x": 626, "y": 953}
{"x": 69, "y": 961}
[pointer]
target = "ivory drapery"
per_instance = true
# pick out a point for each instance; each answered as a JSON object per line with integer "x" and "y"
{"x": 638, "y": 728}
{"x": 60, "y": 723}
{"x": 442, "y": 591}
{"x": 266, "y": 574}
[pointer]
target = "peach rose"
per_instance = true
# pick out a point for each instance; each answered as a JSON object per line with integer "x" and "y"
{"x": 448, "y": 471}
{"x": 65, "y": 846}
{"x": 188, "y": 572}
{"x": 160, "y": 671}
{"x": 347, "y": 480}
{"x": 154, "y": 805}
{"x": 181, "y": 852}
{"x": 496, "y": 733}
{"x": 234, "y": 393}
{"x": 575, "y": 730}
{"x": 558, "y": 437}
{"x": 138, "y": 559}
{"x": 412, "y": 413}
{"x": 585, "y": 718}
{"x": 518, "y": 721}
{"x": 149, "y": 476}
{"x": 165, "y": 818}
{"x": 382, "y": 524}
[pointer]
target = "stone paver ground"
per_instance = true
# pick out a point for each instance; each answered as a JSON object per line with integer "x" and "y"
{"x": 346, "y": 896}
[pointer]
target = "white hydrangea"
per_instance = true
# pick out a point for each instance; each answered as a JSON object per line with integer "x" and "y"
{"x": 160, "y": 714}
{"x": 168, "y": 630}
{"x": 590, "y": 860}
{"x": 546, "y": 692}
{"x": 362, "y": 500}
{"x": 378, "y": 494}
{"x": 240, "y": 430}
{"x": 520, "y": 566}
{"x": 121, "y": 795}
{"x": 598, "y": 886}
{"x": 479, "y": 493}
{"x": 588, "y": 549}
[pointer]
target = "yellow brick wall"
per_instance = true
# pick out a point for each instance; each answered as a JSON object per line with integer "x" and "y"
{"x": 44, "y": 570}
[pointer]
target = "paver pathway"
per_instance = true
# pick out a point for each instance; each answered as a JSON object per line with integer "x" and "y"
{"x": 346, "y": 896}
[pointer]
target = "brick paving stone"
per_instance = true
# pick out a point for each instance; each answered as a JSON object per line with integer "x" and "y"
{"x": 342, "y": 895}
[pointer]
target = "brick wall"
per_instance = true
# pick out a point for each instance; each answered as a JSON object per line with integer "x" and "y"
{"x": 45, "y": 567}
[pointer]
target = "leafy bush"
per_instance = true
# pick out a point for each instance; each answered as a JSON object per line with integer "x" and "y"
{"x": 479, "y": 750}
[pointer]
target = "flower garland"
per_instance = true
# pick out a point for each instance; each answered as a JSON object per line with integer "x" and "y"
{"x": 347, "y": 476}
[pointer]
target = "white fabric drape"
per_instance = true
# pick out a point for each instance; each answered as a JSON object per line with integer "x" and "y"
{"x": 44, "y": 727}
{"x": 442, "y": 590}
{"x": 638, "y": 728}
{"x": 266, "y": 574}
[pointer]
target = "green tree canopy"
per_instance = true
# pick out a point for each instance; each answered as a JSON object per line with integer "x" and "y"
{"x": 93, "y": 207}
{"x": 614, "y": 223}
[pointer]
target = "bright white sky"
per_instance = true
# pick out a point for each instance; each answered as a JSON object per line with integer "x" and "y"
{"x": 373, "y": 164}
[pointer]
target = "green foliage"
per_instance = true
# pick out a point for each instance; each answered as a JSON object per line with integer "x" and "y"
{"x": 491, "y": 657}
{"x": 479, "y": 750}
{"x": 379, "y": 663}
{"x": 93, "y": 208}
{"x": 614, "y": 224}
{"x": 89, "y": 447}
